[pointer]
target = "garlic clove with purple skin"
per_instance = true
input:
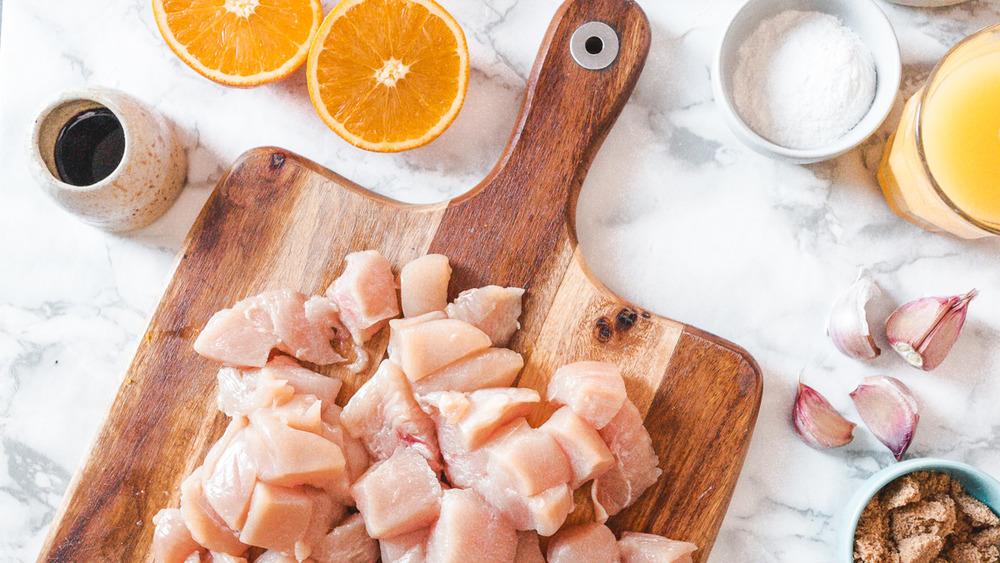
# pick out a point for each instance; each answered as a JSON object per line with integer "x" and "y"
{"x": 923, "y": 331}
{"x": 848, "y": 324}
{"x": 889, "y": 410}
{"x": 817, "y": 422}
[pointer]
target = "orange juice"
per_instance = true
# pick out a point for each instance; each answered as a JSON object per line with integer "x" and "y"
{"x": 941, "y": 169}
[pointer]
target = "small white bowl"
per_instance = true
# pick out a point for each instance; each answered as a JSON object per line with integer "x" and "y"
{"x": 864, "y": 17}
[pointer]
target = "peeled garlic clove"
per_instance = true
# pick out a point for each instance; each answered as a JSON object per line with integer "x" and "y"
{"x": 817, "y": 422}
{"x": 848, "y": 324}
{"x": 923, "y": 331}
{"x": 889, "y": 410}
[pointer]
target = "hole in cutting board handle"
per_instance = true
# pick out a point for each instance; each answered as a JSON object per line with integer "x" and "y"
{"x": 594, "y": 45}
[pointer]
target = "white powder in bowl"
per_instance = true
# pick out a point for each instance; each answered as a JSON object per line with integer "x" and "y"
{"x": 803, "y": 79}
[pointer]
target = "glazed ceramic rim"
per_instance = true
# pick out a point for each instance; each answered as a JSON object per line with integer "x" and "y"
{"x": 887, "y": 79}
{"x": 989, "y": 30}
{"x": 98, "y": 97}
{"x": 875, "y": 483}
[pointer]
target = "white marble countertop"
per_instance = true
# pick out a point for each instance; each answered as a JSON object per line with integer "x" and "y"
{"x": 675, "y": 215}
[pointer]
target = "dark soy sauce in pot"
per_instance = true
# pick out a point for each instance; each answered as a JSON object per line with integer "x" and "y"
{"x": 89, "y": 147}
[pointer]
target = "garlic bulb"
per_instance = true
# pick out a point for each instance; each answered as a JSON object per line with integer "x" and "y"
{"x": 848, "y": 324}
{"x": 817, "y": 422}
{"x": 889, "y": 410}
{"x": 923, "y": 331}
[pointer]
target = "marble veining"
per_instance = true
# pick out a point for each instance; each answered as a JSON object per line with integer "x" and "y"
{"x": 676, "y": 215}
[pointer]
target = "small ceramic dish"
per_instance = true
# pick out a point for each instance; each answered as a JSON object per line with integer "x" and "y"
{"x": 864, "y": 17}
{"x": 976, "y": 482}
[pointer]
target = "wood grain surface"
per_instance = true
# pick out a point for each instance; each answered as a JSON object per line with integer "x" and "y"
{"x": 278, "y": 220}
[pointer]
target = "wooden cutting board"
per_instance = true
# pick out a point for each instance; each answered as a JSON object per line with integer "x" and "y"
{"x": 278, "y": 220}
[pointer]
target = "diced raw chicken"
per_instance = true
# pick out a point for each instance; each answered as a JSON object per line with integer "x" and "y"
{"x": 479, "y": 414}
{"x": 288, "y": 457}
{"x": 636, "y": 547}
{"x": 587, "y": 453}
{"x": 545, "y": 512}
{"x": 206, "y": 527}
{"x": 365, "y": 294}
{"x": 526, "y": 459}
{"x": 493, "y": 367}
{"x": 464, "y": 468}
{"x": 399, "y": 495}
{"x": 528, "y": 550}
{"x": 423, "y": 348}
{"x": 492, "y": 309}
{"x": 304, "y": 381}
{"x": 385, "y": 416}
{"x": 242, "y": 393}
{"x": 327, "y": 510}
{"x": 172, "y": 541}
{"x": 245, "y": 334}
{"x": 635, "y": 468}
{"x": 355, "y": 453}
{"x": 591, "y": 542}
{"x": 229, "y": 475}
{"x": 347, "y": 543}
{"x": 405, "y": 548}
{"x": 469, "y": 530}
{"x": 272, "y": 556}
{"x": 423, "y": 285}
{"x": 278, "y": 517}
{"x": 216, "y": 557}
{"x": 594, "y": 390}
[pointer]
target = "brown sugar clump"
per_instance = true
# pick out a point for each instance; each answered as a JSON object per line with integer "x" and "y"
{"x": 926, "y": 517}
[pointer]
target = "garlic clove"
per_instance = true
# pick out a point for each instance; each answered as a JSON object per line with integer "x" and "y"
{"x": 889, "y": 410}
{"x": 923, "y": 331}
{"x": 817, "y": 422}
{"x": 848, "y": 323}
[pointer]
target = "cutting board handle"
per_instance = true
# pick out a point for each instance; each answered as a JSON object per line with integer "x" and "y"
{"x": 568, "y": 110}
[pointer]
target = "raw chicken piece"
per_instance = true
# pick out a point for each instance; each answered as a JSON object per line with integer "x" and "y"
{"x": 479, "y": 414}
{"x": 365, "y": 294}
{"x": 636, "y": 547}
{"x": 528, "y": 550}
{"x": 423, "y": 348}
{"x": 216, "y": 557}
{"x": 288, "y": 457}
{"x": 172, "y": 542}
{"x": 492, "y": 309}
{"x": 526, "y": 459}
{"x": 545, "y": 512}
{"x": 278, "y": 518}
{"x": 272, "y": 556}
{"x": 405, "y": 548}
{"x": 347, "y": 543}
{"x": 469, "y": 530}
{"x": 587, "y": 453}
{"x": 423, "y": 285}
{"x": 635, "y": 467}
{"x": 591, "y": 542}
{"x": 206, "y": 527}
{"x": 242, "y": 393}
{"x": 355, "y": 453}
{"x": 245, "y": 334}
{"x": 399, "y": 495}
{"x": 229, "y": 475}
{"x": 493, "y": 367}
{"x": 594, "y": 390}
{"x": 385, "y": 416}
{"x": 326, "y": 511}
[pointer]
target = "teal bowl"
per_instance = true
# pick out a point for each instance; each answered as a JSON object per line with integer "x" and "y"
{"x": 977, "y": 483}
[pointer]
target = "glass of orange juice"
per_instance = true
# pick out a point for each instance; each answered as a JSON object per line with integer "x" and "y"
{"x": 941, "y": 168}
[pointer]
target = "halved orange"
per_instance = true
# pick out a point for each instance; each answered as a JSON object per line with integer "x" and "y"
{"x": 388, "y": 75}
{"x": 239, "y": 42}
